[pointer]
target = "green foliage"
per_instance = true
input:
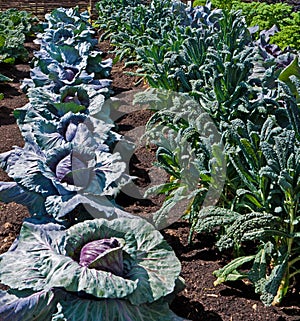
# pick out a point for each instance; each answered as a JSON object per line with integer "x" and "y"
{"x": 222, "y": 4}
{"x": 268, "y": 164}
{"x": 22, "y": 20}
{"x": 262, "y": 14}
{"x": 14, "y": 27}
{"x": 249, "y": 92}
{"x": 189, "y": 150}
{"x": 109, "y": 270}
{"x": 289, "y": 33}
{"x": 266, "y": 15}
{"x": 201, "y": 59}
{"x": 267, "y": 160}
{"x": 291, "y": 77}
{"x": 134, "y": 24}
{"x": 258, "y": 117}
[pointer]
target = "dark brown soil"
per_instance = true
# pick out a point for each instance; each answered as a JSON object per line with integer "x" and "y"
{"x": 200, "y": 301}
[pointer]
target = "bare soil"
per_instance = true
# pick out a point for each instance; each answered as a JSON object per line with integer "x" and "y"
{"x": 201, "y": 300}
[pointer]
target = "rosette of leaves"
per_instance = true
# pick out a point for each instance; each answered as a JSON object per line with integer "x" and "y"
{"x": 78, "y": 129}
{"x": 51, "y": 106}
{"x": 76, "y": 116}
{"x": 66, "y": 26}
{"x": 72, "y": 55}
{"x": 66, "y": 16}
{"x": 52, "y": 119}
{"x": 55, "y": 182}
{"x": 96, "y": 270}
{"x": 66, "y": 35}
{"x": 67, "y": 65}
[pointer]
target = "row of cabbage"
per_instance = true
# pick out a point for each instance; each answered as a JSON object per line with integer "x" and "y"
{"x": 80, "y": 256}
{"x": 233, "y": 130}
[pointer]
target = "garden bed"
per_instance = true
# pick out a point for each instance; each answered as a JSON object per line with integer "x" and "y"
{"x": 200, "y": 300}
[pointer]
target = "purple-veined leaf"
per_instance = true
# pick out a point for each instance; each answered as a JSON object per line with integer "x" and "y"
{"x": 33, "y": 307}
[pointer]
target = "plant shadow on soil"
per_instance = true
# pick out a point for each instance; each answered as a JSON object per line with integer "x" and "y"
{"x": 200, "y": 300}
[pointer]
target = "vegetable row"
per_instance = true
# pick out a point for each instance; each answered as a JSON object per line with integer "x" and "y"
{"x": 233, "y": 126}
{"x": 80, "y": 256}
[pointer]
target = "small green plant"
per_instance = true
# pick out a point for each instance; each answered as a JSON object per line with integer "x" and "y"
{"x": 15, "y": 26}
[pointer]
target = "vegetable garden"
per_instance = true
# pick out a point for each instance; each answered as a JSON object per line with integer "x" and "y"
{"x": 219, "y": 100}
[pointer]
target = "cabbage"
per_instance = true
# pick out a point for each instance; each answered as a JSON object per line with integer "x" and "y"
{"x": 66, "y": 26}
{"x": 54, "y": 182}
{"x": 45, "y": 106}
{"x": 66, "y": 16}
{"x": 78, "y": 129}
{"x": 65, "y": 65}
{"x": 67, "y": 55}
{"x": 98, "y": 270}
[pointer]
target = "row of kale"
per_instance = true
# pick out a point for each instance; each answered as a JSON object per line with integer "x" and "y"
{"x": 228, "y": 108}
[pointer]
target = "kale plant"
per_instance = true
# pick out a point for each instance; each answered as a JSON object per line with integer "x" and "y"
{"x": 266, "y": 209}
{"x": 133, "y": 25}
